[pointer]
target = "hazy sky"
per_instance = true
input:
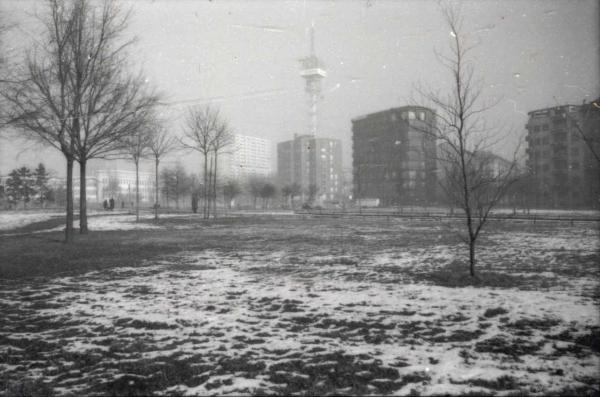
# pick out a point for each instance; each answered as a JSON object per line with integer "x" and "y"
{"x": 243, "y": 56}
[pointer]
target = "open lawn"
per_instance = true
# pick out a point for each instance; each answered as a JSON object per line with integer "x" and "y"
{"x": 299, "y": 305}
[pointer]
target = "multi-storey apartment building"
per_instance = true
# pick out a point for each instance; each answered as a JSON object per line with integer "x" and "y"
{"x": 560, "y": 157}
{"x": 395, "y": 156}
{"x": 315, "y": 164}
{"x": 248, "y": 156}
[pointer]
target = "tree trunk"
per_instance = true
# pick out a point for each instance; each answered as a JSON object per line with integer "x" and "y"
{"x": 205, "y": 187}
{"x": 83, "y": 227}
{"x": 472, "y": 257}
{"x": 156, "y": 190}
{"x": 215, "y": 188}
{"x": 137, "y": 190}
{"x": 209, "y": 189}
{"x": 69, "y": 225}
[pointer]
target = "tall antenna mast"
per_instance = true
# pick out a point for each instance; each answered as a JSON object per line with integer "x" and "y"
{"x": 313, "y": 71}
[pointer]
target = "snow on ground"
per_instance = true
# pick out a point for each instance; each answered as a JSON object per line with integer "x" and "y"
{"x": 288, "y": 321}
{"x": 15, "y": 219}
{"x": 116, "y": 222}
{"x": 97, "y": 221}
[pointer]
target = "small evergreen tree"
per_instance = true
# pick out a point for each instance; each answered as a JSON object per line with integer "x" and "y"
{"x": 41, "y": 177}
{"x": 20, "y": 186}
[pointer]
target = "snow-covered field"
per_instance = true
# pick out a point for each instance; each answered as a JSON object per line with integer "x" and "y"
{"x": 97, "y": 220}
{"x": 15, "y": 219}
{"x": 293, "y": 319}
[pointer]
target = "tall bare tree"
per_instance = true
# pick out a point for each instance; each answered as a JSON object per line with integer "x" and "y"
{"x": 199, "y": 129}
{"x": 109, "y": 104}
{"x": 221, "y": 142}
{"x": 471, "y": 178}
{"x": 138, "y": 147}
{"x": 77, "y": 94}
{"x": 161, "y": 144}
{"x": 39, "y": 100}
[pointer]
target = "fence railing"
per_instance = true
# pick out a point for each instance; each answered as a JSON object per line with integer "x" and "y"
{"x": 438, "y": 216}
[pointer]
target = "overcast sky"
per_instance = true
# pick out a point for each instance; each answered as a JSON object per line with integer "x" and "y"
{"x": 243, "y": 56}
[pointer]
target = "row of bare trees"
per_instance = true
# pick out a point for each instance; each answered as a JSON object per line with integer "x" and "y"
{"x": 76, "y": 92}
{"x": 208, "y": 133}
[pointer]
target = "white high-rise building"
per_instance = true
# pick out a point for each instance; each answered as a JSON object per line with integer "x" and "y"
{"x": 248, "y": 156}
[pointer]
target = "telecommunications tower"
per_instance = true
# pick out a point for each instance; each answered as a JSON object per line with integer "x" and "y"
{"x": 312, "y": 70}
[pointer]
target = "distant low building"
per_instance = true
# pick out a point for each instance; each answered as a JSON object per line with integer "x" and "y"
{"x": 104, "y": 184}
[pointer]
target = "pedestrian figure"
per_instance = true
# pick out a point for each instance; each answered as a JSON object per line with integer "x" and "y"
{"x": 194, "y": 202}
{"x": 112, "y": 203}
{"x": 105, "y": 204}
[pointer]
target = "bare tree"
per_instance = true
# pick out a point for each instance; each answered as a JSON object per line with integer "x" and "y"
{"x": 255, "y": 185}
{"x": 109, "y": 104}
{"x": 230, "y": 191}
{"x": 160, "y": 145}
{"x": 167, "y": 186}
{"x": 286, "y": 192}
{"x": 39, "y": 100}
{"x": 267, "y": 192}
{"x": 471, "y": 179}
{"x": 76, "y": 93}
{"x": 4, "y": 70}
{"x": 138, "y": 147}
{"x": 182, "y": 182}
{"x": 295, "y": 191}
{"x": 200, "y": 126}
{"x": 221, "y": 141}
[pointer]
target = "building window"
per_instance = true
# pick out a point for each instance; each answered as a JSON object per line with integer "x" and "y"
{"x": 536, "y": 128}
{"x": 545, "y": 127}
{"x": 411, "y": 115}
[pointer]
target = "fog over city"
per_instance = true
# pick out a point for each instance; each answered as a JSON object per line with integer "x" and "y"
{"x": 300, "y": 197}
{"x": 243, "y": 57}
